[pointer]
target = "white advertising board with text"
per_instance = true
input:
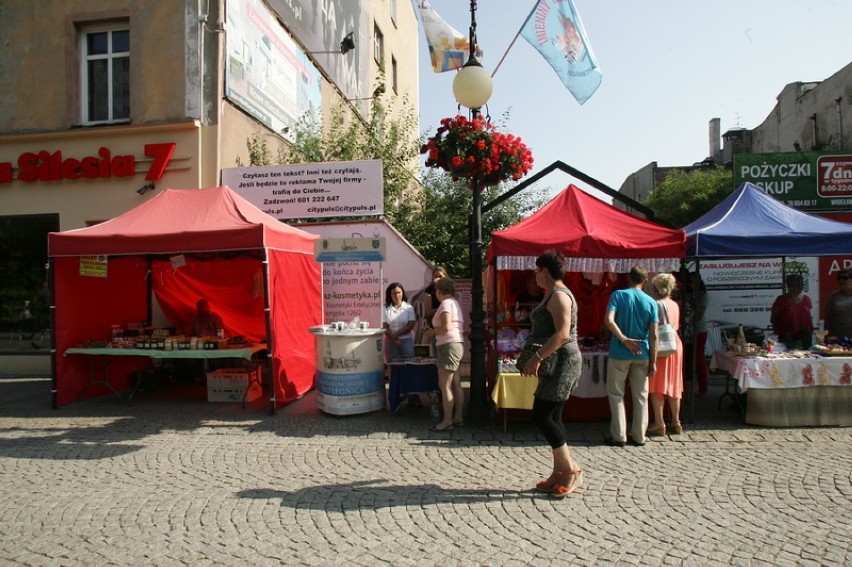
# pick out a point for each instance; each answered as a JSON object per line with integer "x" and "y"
{"x": 311, "y": 190}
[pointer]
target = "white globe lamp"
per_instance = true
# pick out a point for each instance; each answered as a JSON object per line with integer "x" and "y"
{"x": 472, "y": 85}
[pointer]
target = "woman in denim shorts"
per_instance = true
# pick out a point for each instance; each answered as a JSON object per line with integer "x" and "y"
{"x": 447, "y": 329}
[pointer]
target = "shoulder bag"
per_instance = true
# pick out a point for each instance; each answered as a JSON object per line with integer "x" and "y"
{"x": 666, "y": 334}
{"x": 546, "y": 367}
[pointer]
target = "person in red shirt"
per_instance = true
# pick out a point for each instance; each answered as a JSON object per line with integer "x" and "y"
{"x": 207, "y": 323}
{"x": 791, "y": 315}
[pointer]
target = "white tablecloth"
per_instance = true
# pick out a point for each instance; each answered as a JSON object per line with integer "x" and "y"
{"x": 792, "y": 391}
{"x": 766, "y": 372}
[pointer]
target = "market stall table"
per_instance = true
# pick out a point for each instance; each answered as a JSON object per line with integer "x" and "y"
{"x": 785, "y": 390}
{"x": 513, "y": 391}
{"x": 106, "y": 355}
{"x": 410, "y": 377}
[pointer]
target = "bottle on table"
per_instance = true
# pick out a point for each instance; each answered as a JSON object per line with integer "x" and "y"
{"x": 741, "y": 339}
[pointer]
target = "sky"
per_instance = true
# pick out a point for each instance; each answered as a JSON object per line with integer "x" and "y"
{"x": 668, "y": 66}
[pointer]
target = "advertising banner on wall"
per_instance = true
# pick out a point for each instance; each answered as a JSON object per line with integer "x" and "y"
{"x": 828, "y": 268}
{"x": 743, "y": 291}
{"x": 808, "y": 181}
{"x": 311, "y": 190}
{"x": 267, "y": 74}
{"x": 320, "y": 25}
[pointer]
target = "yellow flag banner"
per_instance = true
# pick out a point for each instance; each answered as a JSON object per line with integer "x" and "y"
{"x": 448, "y": 49}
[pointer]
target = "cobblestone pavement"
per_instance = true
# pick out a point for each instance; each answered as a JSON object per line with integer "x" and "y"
{"x": 176, "y": 480}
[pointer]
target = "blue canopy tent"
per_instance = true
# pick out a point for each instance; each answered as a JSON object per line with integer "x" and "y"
{"x": 751, "y": 224}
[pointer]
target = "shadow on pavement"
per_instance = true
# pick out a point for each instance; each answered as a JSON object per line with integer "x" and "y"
{"x": 375, "y": 494}
{"x": 25, "y": 406}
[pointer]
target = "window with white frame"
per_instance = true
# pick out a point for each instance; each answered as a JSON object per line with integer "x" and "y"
{"x": 394, "y": 82}
{"x": 378, "y": 45}
{"x": 105, "y": 56}
{"x": 393, "y": 11}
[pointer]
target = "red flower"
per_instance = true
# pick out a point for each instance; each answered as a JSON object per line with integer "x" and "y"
{"x": 474, "y": 149}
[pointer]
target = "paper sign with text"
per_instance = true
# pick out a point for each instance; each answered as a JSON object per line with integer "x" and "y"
{"x": 311, "y": 190}
{"x": 178, "y": 261}
{"x": 93, "y": 266}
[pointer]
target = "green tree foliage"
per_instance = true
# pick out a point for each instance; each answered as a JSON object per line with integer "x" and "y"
{"x": 440, "y": 230}
{"x": 685, "y": 196}
{"x": 431, "y": 214}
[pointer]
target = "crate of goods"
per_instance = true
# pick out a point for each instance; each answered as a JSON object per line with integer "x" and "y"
{"x": 228, "y": 385}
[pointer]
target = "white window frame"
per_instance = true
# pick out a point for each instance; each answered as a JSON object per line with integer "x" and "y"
{"x": 84, "y": 71}
{"x": 378, "y": 45}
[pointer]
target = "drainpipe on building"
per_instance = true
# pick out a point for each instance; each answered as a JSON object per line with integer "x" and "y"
{"x": 815, "y": 145}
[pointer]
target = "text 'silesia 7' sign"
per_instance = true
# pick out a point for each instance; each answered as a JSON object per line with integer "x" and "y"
{"x": 45, "y": 165}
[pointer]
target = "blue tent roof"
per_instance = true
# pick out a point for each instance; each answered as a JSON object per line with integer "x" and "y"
{"x": 750, "y": 223}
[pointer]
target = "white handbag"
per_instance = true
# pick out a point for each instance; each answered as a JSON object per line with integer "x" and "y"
{"x": 666, "y": 334}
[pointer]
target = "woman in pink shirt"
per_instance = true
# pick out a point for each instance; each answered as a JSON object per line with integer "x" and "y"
{"x": 447, "y": 330}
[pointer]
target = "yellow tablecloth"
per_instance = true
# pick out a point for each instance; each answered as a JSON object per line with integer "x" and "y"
{"x": 514, "y": 391}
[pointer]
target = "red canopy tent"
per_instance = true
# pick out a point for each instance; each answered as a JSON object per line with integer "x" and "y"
{"x": 258, "y": 274}
{"x": 595, "y": 238}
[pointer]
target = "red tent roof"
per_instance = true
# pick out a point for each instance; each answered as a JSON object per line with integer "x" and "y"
{"x": 183, "y": 221}
{"x": 581, "y": 226}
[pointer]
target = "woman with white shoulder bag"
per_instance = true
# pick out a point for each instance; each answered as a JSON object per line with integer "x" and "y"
{"x": 667, "y": 381}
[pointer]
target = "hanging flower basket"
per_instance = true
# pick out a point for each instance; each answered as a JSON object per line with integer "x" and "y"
{"x": 474, "y": 149}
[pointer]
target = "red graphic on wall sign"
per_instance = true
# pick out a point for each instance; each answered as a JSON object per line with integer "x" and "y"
{"x": 834, "y": 176}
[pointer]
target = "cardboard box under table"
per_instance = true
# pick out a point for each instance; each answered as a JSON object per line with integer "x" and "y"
{"x": 233, "y": 385}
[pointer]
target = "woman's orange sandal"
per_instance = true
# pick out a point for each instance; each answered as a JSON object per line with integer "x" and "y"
{"x": 575, "y": 481}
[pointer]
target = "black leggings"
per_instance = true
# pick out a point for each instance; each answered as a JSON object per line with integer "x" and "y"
{"x": 547, "y": 416}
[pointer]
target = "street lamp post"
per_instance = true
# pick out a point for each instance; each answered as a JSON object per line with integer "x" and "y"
{"x": 472, "y": 87}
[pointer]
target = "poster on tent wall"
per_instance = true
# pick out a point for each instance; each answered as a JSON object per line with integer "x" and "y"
{"x": 743, "y": 290}
{"x": 267, "y": 74}
{"x": 311, "y": 190}
{"x": 93, "y": 266}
